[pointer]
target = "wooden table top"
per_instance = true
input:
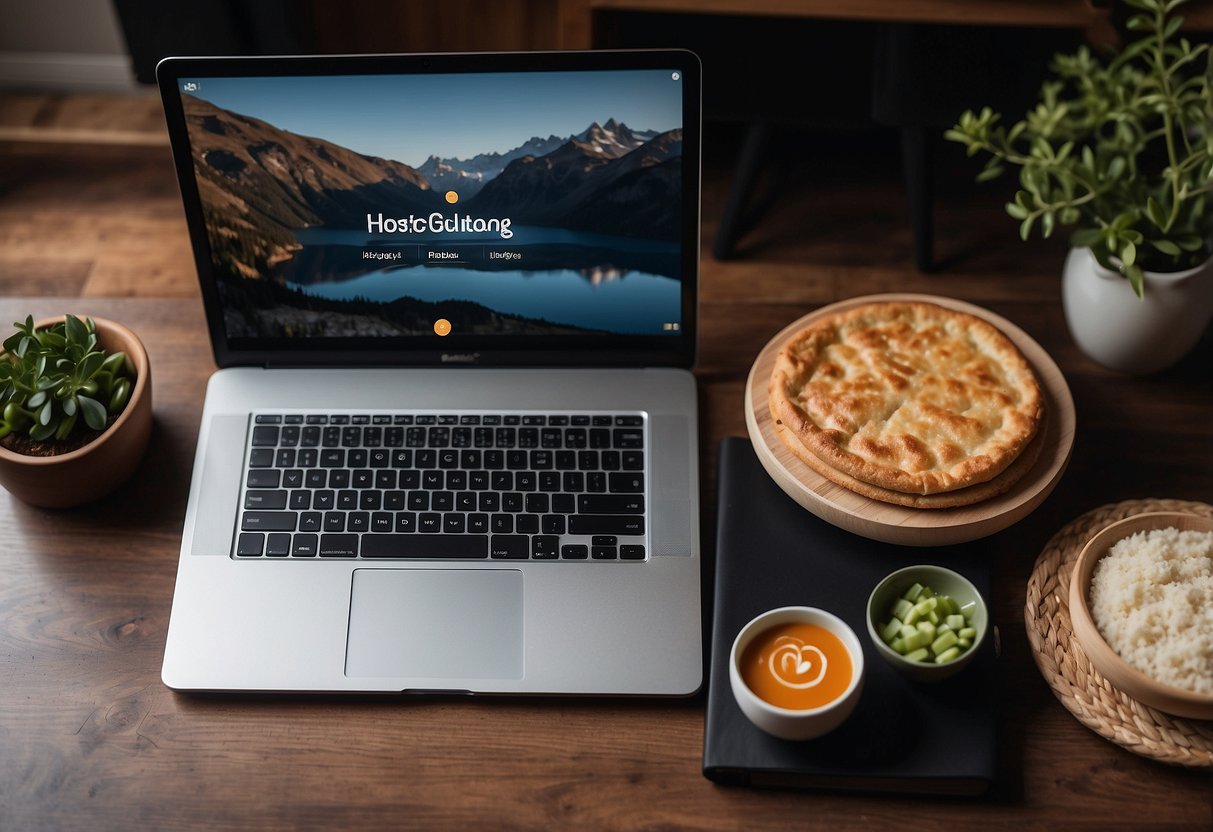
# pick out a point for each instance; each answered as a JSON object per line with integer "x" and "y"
{"x": 92, "y": 738}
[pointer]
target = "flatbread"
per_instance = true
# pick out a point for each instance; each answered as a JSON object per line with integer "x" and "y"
{"x": 979, "y": 493}
{"x": 911, "y": 398}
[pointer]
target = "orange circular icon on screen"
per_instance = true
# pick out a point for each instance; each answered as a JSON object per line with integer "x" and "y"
{"x": 442, "y": 326}
{"x": 452, "y": 197}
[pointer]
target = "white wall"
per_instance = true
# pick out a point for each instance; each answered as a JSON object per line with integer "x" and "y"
{"x": 63, "y": 45}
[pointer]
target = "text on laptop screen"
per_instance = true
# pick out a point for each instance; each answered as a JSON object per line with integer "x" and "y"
{"x": 443, "y": 206}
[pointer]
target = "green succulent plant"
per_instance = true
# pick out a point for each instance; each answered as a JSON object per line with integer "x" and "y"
{"x": 1122, "y": 150}
{"x": 53, "y": 378}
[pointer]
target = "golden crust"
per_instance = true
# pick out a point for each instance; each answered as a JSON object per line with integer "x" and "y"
{"x": 907, "y": 397}
{"x": 1000, "y": 484}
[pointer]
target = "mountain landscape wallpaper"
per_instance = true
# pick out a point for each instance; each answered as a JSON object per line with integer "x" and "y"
{"x": 544, "y": 207}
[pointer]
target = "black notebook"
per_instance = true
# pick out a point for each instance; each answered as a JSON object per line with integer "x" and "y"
{"x": 903, "y": 736}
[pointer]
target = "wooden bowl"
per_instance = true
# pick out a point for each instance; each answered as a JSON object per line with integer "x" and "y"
{"x": 1121, "y": 674}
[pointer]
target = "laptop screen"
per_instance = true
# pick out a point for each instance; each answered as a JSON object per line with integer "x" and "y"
{"x": 457, "y": 209}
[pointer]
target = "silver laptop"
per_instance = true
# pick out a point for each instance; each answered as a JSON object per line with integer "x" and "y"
{"x": 452, "y": 443}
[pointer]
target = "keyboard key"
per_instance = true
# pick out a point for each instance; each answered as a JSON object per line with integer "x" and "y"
{"x": 429, "y": 522}
{"x": 629, "y": 421}
{"x": 334, "y": 521}
{"x": 325, "y": 499}
{"x": 526, "y": 523}
{"x": 292, "y": 478}
{"x": 628, "y": 524}
{"x": 250, "y": 544}
{"x": 261, "y": 458}
{"x": 301, "y": 500}
{"x": 277, "y": 545}
{"x": 509, "y": 546}
{"x": 478, "y": 523}
{"x": 603, "y": 553}
{"x": 545, "y": 547}
{"x": 406, "y": 521}
{"x": 332, "y": 458}
{"x": 338, "y": 545}
{"x": 304, "y": 546}
{"x": 268, "y": 419}
{"x": 631, "y": 552}
{"x": 339, "y": 478}
{"x": 453, "y": 523}
{"x": 610, "y": 504}
{"x": 265, "y": 500}
{"x": 626, "y": 438}
{"x": 425, "y": 546}
{"x": 575, "y": 551}
{"x": 264, "y": 478}
{"x": 316, "y": 478}
{"x": 633, "y": 460}
{"x": 382, "y": 521}
{"x": 269, "y": 521}
{"x": 265, "y": 436}
{"x": 553, "y": 524}
{"x": 604, "y": 540}
{"x": 309, "y": 521}
{"x": 628, "y": 482}
{"x": 358, "y": 521}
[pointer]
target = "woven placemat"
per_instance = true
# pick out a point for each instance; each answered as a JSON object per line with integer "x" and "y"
{"x": 1080, "y": 687}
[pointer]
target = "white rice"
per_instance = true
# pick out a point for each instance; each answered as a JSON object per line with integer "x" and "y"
{"x": 1152, "y": 601}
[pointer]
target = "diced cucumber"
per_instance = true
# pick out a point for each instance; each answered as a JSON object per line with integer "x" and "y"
{"x": 925, "y": 627}
{"x": 947, "y": 655}
{"x": 891, "y": 631}
{"x": 943, "y": 642}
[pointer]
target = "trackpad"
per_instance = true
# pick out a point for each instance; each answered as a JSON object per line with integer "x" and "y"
{"x": 436, "y": 624}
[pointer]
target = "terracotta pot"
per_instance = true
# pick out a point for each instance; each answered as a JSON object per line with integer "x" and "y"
{"x": 90, "y": 472}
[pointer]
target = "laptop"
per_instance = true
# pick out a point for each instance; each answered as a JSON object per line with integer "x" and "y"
{"x": 451, "y": 446}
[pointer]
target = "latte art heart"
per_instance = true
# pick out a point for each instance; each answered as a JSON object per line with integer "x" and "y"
{"x": 797, "y": 665}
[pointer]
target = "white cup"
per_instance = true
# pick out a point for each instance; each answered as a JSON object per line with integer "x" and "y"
{"x": 788, "y": 723}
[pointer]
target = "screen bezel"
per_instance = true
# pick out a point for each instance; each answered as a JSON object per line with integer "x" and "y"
{"x": 597, "y": 350}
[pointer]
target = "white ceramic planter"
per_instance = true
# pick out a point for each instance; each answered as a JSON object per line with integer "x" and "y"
{"x": 1135, "y": 335}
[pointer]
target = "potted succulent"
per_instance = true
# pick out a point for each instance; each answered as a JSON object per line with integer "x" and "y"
{"x": 1121, "y": 150}
{"x": 75, "y": 409}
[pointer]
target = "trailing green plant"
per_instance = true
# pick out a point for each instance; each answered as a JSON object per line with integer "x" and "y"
{"x": 1120, "y": 149}
{"x": 53, "y": 378}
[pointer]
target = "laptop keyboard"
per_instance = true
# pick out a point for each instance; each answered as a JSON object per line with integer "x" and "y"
{"x": 441, "y": 486}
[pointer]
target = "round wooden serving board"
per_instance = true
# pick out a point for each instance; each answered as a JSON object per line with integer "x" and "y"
{"x": 898, "y": 524}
